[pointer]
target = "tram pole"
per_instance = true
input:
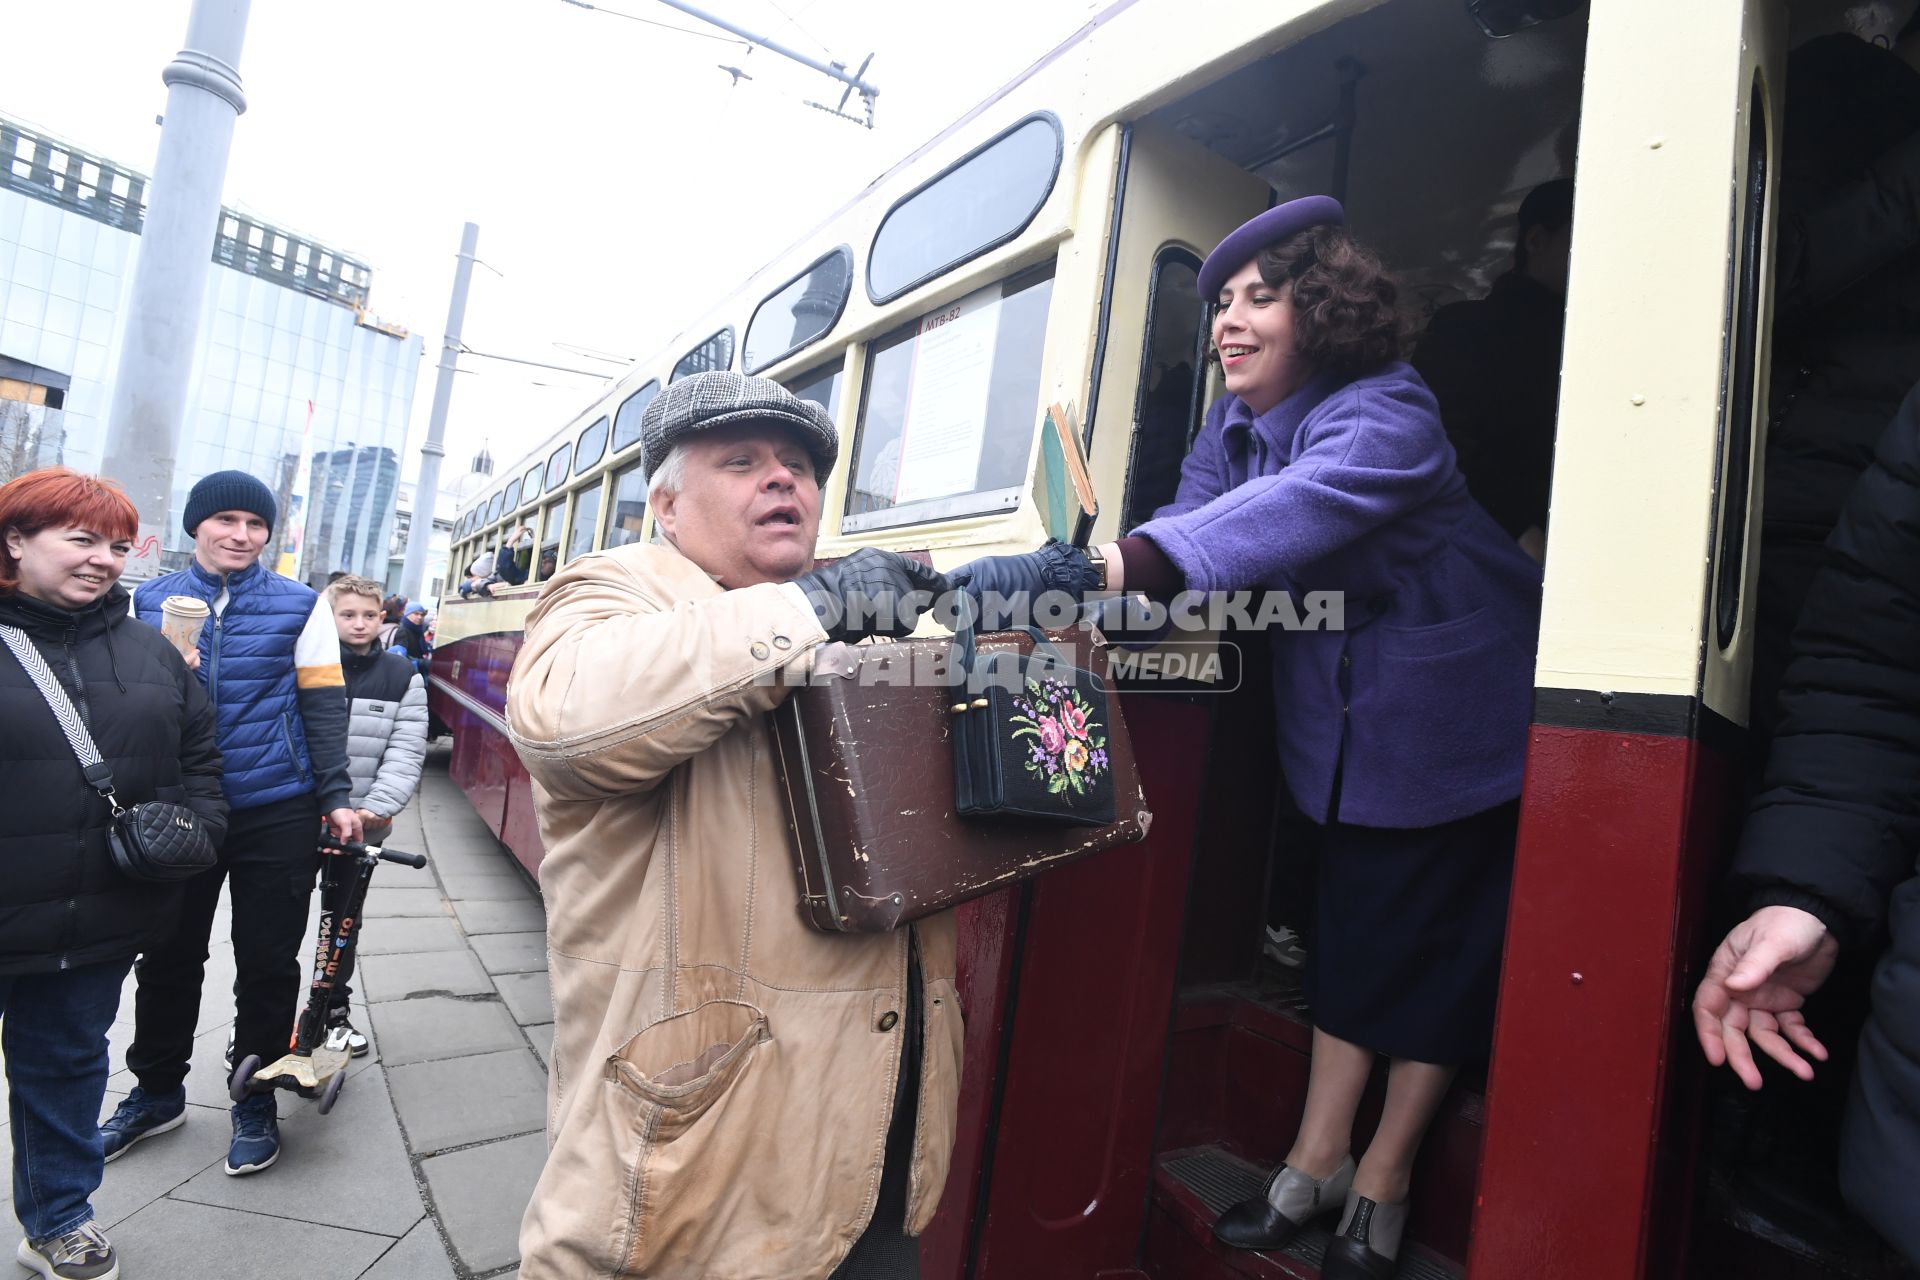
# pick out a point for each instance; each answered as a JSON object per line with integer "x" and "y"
{"x": 170, "y": 277}
{"x": 426, "y": 485}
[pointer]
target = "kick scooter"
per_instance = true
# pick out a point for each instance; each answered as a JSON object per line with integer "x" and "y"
{"x": 310, "y": 1065}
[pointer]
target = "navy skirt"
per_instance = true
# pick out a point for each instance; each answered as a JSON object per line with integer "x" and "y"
{"x": 1408, "y": 926}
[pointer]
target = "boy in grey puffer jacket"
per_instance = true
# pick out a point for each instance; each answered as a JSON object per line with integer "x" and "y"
{"x": 386, "y": 743}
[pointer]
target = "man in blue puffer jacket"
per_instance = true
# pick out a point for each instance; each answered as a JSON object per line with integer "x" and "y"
{"x": 270, "y": 659}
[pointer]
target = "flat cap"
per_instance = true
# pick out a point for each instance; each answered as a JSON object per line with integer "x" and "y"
{"x": 1256, "y": 233}
{"x": 705, "y": 400}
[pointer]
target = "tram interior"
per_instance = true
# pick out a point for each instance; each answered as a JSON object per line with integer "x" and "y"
{"x": 1440, "y": 133}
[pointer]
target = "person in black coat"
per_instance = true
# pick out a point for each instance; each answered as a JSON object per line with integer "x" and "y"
{"x": 70, "y": 923}
{"x": 1826, "y": 859}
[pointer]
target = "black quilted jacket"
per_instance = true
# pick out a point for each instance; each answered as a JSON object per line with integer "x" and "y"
{"x": 61, "y": 901}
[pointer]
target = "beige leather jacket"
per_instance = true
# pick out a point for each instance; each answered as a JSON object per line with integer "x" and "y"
{"x": 723, "y": 1074}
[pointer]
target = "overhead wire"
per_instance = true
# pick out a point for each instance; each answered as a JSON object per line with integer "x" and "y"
{"x": 653, "y": 22}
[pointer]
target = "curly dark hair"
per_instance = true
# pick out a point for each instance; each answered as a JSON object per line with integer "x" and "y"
{"x": 1346, "y": 313}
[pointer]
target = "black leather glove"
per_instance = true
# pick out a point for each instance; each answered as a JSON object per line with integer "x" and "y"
{"x": 871, "y": 593}
{"x": 1004, "y": 588}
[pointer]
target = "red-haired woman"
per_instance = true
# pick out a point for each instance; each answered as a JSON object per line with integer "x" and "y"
{"x": 70, "y": 924}
{"x": 1402, "y": 731}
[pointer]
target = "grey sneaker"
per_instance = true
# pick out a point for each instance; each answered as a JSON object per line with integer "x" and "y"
{"x": 80, "y": 1254}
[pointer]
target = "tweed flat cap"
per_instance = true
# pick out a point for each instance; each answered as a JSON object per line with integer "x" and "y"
{"x": 706, "y": 400}
{"x": 1256, "y": 233}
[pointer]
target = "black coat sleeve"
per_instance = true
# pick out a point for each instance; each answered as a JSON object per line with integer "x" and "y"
{"x": 200, "y": 756}
{"x": 1838, "y": 817}
{"x": 1835, "y": 239}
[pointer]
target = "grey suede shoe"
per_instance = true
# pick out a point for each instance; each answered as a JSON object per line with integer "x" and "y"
{"x": 1291, "y": 1200}
{"x": 1367, "y": 1245}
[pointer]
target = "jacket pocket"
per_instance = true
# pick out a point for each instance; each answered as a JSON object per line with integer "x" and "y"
{"x": 1470, "y": 631}
{"x": 666, "y": 1078}
{"x": 293, "y": 756}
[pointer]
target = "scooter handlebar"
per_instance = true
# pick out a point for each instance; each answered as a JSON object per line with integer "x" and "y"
{"x": 414, "y": 860}
{"x": 329, "y": 841}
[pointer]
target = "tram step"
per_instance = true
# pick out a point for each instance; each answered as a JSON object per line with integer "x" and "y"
{"x": 1192, "y": 1187}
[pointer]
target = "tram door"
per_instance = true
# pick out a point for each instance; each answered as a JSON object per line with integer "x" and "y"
{"x": 1069, "y": 1174}
{"x": 1594, "y": 1098}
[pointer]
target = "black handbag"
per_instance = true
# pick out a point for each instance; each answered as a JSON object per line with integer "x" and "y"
{"x": 1030, "y": 735}
{"x": 152, "y": 841}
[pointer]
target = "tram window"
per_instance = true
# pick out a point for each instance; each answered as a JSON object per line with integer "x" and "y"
{"x": 626, "y": 423}
{"x": 713, "y": 354}
{"x": 493, "y": 508}
{"x": 593, "y": 443}
{"x": 586, "y": 519}
{"x": 550, "y": 526}
{"x": 986, "y": 199}
{"x": 513, "y": 495}
{"x": 800, "y": 311}
{"x": 530, "y": 486}
{"x": 1737, "y": 426}
{"x": 820, "y": 385}
{"x": 557, "y": 467}
{"x": 629, "y": 509}
{"x": 1167, "y": 409}
{"x": 948, "y": 412}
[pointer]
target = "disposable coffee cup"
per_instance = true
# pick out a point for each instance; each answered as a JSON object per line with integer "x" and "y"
{"x": 182, "y": 618}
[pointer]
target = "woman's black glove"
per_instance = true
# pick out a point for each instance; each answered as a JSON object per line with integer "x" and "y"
{"x": 1003, "y": 588}
{"x": 871, "y": 593}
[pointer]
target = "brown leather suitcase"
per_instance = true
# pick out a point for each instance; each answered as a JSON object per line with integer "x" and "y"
{"x": 866, "y": 760}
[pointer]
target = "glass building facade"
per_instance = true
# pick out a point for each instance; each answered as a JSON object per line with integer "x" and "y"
{"x": 293, "y": 381}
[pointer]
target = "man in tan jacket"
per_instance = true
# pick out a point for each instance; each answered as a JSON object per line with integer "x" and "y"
{"x": 734, "y": 1096}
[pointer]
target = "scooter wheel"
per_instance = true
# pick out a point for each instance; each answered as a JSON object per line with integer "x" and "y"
{"x": 238, "y": 1085}
{"x": 330, "y": 1094}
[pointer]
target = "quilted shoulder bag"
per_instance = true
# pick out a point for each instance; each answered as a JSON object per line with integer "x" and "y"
{"x": 153, "y": 841}
{"x": 1030, "y": 736}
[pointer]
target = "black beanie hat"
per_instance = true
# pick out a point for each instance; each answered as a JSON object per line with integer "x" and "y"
{"x": 228, "y": 491}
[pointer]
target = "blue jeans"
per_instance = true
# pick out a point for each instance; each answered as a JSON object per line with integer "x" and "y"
{"x": 54, "y": 1030}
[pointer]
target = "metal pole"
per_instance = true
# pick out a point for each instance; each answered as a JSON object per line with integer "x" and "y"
{"x": 170, "y": 277}
{"x": 426, "y": 486}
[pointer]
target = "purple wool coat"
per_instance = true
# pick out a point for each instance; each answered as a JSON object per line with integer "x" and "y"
{"x": 1420, "y": 706}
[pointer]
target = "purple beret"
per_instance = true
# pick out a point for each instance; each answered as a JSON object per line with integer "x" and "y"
{"x": 1271, "y": 227}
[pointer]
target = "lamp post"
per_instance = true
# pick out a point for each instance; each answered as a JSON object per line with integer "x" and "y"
{"x": 426, "y": 485}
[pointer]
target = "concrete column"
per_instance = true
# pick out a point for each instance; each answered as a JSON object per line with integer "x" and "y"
{"x": 426, "y": 485}
{"x": 170, "y": 276}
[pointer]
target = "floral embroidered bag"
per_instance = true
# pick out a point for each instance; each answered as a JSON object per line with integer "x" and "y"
{"x": 1030, "y": 736}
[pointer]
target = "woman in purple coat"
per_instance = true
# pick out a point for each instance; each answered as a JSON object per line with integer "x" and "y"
{"x": 1325, "y": 468}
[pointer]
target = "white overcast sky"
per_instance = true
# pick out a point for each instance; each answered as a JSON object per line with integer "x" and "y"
{"x": 615, "y": 174}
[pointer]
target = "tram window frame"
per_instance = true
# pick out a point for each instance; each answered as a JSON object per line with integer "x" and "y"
{"x": 833, "y": 373}
{"x": 954, "y": 171}
{"x": 680, "y": 369}
{"x": 583, "y": 458}
{"x": 558, "y": 464}
{"x": 637, "y": 469}
{"x": 985, "y": 500}
{"x": 530, "y": 485}
{"x": 494, "y": 506}
{"x": 1168, "y": 256}
{"x": 513, "y": 495}
{"x": 1741, "y": 402}
{"x": 553, "y": 532}
{"x": 752, "y": 366}
{"x": 586, "y": 518}
{"x": 635, "y": 407}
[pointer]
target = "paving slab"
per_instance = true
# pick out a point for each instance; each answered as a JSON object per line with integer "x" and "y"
{"x": 501, "y": 886}
{"x": 404, "y": 902}
{"x": 411, "y": 934}
{"x": 528, "y": 997}
{"x": 542, "y": 1037}
{"x": 481, "y": 1194}
{"x": 511, "y": 952}
{"x": 420, "y": 1255}
{"x": 152, "y": 1168}
{"x": 404, "y": 974}
{"x": 433, "y": 1027}
{"x": 178, "y": 1239}
{"x": 455, "y": 1101}
{"x": 501, "y": 917}
{"x": 345, "y": 1169}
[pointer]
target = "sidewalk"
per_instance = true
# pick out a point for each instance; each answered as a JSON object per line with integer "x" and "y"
{"x": 423, "y": 1168}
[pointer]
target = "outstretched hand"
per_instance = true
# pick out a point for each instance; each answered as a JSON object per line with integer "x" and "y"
{"x": 1759, "y": 978}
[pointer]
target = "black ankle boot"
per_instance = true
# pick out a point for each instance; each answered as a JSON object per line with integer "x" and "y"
{"x": 1290, "y": 1201}
{"x": 1367, "y": 1246}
